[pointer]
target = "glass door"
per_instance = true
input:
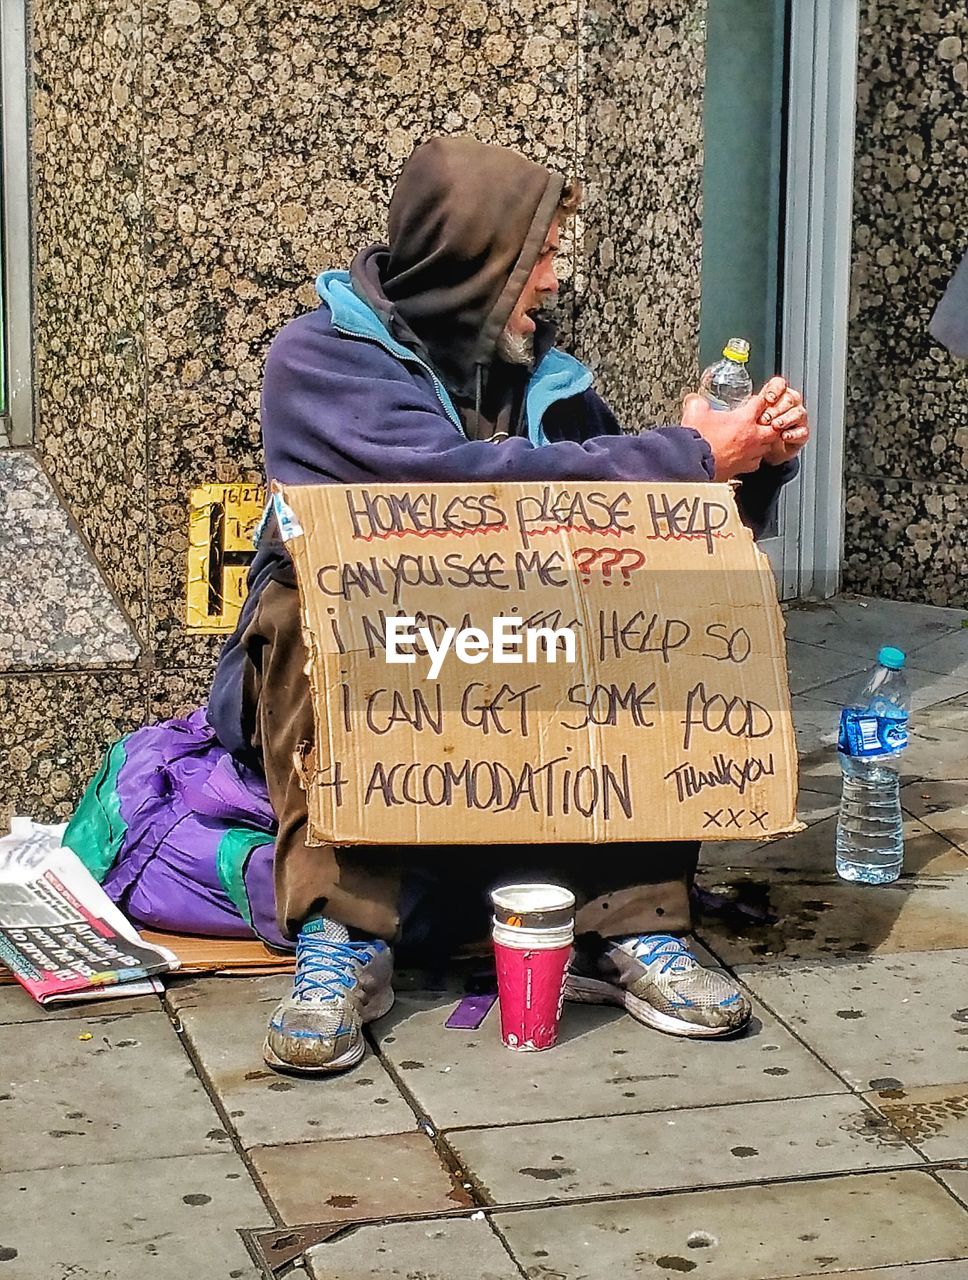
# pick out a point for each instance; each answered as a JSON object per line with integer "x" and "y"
{"x": 744, "y": 130}
{"x": 781, "y": 84}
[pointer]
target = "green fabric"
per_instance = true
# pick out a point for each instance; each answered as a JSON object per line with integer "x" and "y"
{"x": 230, "y": 858}
{"x": 96, "y": 831}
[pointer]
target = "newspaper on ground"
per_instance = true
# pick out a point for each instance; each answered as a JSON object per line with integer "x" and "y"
{"x": 60, "y": 934}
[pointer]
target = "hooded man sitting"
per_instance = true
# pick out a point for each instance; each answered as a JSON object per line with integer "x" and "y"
{"x": 430, "y": 362}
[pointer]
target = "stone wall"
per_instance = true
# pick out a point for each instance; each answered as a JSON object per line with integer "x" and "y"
{"x": 195, "y": 165}
{"x": 907, "y": 400}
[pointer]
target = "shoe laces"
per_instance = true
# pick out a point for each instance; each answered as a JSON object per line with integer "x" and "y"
{"x": 669, "y": 952}
{"x": 329, "y": 967}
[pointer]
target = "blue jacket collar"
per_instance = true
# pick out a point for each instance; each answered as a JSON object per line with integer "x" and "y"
{"x": 557, "y": 377}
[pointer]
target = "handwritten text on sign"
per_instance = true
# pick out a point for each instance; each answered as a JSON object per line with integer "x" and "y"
{"x": 667, "y": 718}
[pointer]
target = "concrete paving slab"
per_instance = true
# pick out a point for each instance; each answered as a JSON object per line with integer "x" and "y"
{"x": 925, "y": 688}
{"x": 344, "y": 1181}
{"x": 809, "y": 665}
{"x": 935, "y": 1119}
{"x": 861, "y": 625}
{"x": 814, "y": 806}
{"x": 941, "y": 754}
{"x": 128, "y": 1090}
{"x": 829, "y": 918}
{"x": 948, "y": 715}
{"x": 889, "y": 1022}
{"x": 415, "y": 1251}
{"x": 814, "y": 723}
{"x": 692, "y": 1148}
{"x": 820, "y": 771}
{"x": 760, "y": 1232}
{"x": 266, "y": 1107}
{"x": 926, "y": 852}
{"x": 167, "y": 1219}
{"x": 957, "y": 1181}
{"x": 17, "y": 1006}
{"x": 604, "y": 1064}
{"x": 213, "y": 991}
{"x": 948, "y": 655}
{"x": 942, "y": 806}
{"x": 923, "y": 1271}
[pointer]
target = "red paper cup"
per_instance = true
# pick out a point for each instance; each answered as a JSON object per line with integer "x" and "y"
{"x": 531, "y": 964}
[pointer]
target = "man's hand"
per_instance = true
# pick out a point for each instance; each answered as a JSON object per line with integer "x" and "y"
{"x": 738, "y": 439}
{"x": 770, "y": 427}
{"x": 786, "y": 414}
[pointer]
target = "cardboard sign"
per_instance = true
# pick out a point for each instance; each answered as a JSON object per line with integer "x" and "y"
{"x": 669, "y": 719}
{"x": 222, "y": 519}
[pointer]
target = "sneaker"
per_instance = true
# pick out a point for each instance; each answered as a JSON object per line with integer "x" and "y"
{"x": 338, "y": 986}
{"x": 661, "y": 984}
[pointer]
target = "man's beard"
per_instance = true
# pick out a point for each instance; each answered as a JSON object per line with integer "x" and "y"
{"x": 515, "y": 348}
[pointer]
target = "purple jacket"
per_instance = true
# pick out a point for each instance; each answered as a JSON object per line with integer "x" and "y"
{"x": 343, "y": 402}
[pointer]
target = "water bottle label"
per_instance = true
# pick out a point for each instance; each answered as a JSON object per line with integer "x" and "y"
{"x": 862, "y": 734}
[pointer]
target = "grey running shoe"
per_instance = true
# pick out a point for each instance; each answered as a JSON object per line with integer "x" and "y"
{"x": 659, "y": 982}
{"x": 338, "y": 986}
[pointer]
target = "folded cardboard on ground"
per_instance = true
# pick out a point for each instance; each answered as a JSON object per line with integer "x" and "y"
{"x": 673, "y": 721}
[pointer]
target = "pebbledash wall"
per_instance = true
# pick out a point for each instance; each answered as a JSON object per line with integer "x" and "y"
{"x": 195, "y": 164}
{"x": 906, "y": 453}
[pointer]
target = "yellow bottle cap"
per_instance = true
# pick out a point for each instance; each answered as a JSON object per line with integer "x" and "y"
{"x": 737, "y": 349}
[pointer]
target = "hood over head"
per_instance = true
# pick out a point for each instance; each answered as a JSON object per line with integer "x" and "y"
{"x": 467, "y": 222}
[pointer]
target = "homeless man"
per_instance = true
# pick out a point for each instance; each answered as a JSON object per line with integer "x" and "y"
{"x": 429, "y": 362}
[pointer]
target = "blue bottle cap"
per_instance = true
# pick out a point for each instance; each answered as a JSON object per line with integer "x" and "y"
{"x": 891, "y": 658}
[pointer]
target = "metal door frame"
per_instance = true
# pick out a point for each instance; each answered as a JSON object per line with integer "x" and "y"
{"x": 15, "y": 238}
{"x": 822, "y": 89}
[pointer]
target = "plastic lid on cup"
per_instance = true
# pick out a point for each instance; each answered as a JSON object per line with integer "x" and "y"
{"x": 892, "y": 658}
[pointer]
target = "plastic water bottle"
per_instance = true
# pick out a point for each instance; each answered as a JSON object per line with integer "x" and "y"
{"x": 727, "y": 383}
{"x": 873, "y": 733}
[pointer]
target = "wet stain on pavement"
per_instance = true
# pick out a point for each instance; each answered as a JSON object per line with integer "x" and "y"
{"x": 196, "y": 1198}
{"x": 343, "y": 1202}
{"x": 744, "y": 1152}
{"x": 281, "y": 1086}
{"x": 775, "y": 1071}
{"x": 66, "y": 1133}
{"x": 258, "y": 1075}
{"x": 411, "y": 1065}
{"x": 873, "y": 1128}
{"x": 918, "y": 1121}
{"x": 887, "y": 1084}
{"x": 7, "y": 1254}
{"x": 850, "y": 1014}
{"x": 546, "y": 1175}
{"x": 672, "y": 1262}
{"x": 665, "y": 1075}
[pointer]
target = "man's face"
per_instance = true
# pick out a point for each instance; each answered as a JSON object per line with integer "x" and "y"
{"x": 541, "y": 287}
